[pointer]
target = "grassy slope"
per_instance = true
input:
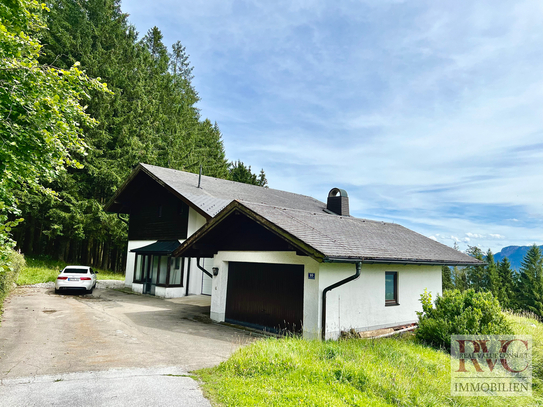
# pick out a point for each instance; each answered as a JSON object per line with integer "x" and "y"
{"x": 43, "y": 270}
{"x": 382, "y": 372}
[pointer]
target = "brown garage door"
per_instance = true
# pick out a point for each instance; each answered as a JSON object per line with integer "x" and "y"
{"x": 265, "y": 296}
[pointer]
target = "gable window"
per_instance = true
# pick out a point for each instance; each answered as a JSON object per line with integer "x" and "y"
{"x": 391, "y": 288}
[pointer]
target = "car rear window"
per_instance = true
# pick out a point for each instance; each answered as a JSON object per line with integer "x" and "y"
{"x": 76, "y": 271}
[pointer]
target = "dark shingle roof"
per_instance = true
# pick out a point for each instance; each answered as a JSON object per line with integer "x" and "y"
{"x": 300, "y": 218}
{"x": 215, "y": 193}
{"x": 337, "y": 237}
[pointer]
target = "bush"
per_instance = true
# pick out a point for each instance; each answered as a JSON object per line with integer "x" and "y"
{"x": 460, "y": 313}
{"x": 8, "y": 274}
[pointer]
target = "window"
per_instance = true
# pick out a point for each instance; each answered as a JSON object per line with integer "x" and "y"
{"x": 391, "y": 288}
{"x": 138, "y": 269}
{"x": 176, "y": 272}
{"x": 141, "y": 266}
{"x": 75, "y": 270}
{"x": 162, "y": 270}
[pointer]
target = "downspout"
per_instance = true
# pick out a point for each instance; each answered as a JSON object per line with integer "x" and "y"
{"x": 203, "y": 269}
{"x": 330, "y": 288}
{"x": 188, "y": 276}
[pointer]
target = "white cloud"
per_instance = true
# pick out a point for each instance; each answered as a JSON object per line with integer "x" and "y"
{"x": 496, "y": 236}
{"x": 429, "y": 116}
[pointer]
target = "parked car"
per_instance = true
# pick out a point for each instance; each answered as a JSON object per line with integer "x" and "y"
{"x": 76, "y": 277}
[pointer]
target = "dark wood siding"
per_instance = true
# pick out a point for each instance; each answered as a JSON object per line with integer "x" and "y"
{"x": 156, "y": 214}
{"x": 266, "y": 295}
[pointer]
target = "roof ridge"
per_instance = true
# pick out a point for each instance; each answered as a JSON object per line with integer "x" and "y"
{"x": 228, "y": 180}
{"x": 347, "y": 218}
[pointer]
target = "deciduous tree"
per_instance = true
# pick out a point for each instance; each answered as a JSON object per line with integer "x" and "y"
{"x": 41, "y": 117}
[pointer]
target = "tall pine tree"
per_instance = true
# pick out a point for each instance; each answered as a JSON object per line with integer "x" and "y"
{"x": 529, "y": 288}
{"x": 507, "y": 279}
{"x": 476, "y": 276}
{"x": 492, "y": 277}
{"x": 150, "y": 118}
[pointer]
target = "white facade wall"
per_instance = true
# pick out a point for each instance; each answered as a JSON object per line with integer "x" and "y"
{"x": 131, "y": 259}
{"x": 360, "y": 304}
{"x": 195, "y": 222}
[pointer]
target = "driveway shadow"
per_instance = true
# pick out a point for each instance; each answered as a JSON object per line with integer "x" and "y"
{"x": 166, "y": 315}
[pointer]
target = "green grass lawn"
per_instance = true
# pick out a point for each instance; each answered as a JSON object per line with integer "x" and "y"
{"x": 43, "y": 270}
{"x": 379, "y": 372}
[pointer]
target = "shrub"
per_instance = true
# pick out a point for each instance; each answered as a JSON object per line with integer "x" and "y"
{"x": 460, "y": 313}
{"x": 8, "y": 274}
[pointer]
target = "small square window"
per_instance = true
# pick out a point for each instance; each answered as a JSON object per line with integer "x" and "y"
{"x": 391, "y": 288}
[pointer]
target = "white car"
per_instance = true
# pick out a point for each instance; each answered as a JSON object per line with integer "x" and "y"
{"x": 76, "y": 277}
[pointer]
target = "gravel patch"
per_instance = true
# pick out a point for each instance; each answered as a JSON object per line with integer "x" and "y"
{"x": 39, "y": 285}
{"x": 100, "y": 284}
{"x": 110, "y": 284}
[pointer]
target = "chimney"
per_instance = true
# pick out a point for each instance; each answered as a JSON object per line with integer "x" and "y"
{"x": 338, "y": 202}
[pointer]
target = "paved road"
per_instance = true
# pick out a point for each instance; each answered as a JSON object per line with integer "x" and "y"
{"x": 44, "y": 337}
{"x": 120, "y": 388}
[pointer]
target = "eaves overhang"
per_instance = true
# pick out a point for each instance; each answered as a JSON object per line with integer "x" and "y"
{"x": 115, "y": 206}
{"x": 419, "y": 262}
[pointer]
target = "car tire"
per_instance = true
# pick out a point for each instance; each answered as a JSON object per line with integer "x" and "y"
{"x": 57, "y": 291}
{"x": 90, "y": 291}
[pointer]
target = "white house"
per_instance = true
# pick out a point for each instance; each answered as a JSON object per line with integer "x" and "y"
{"x": 275, "y": 260}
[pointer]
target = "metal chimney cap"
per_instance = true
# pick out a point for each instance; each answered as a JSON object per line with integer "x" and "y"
{"x": 337, "y": 191}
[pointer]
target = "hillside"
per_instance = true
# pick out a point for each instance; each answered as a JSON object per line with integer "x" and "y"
{"x": 379, "y": 372}
{"x": 515, "y": 254}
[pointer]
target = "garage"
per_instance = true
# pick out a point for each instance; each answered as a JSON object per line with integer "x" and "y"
{"x": 265, "y": 296}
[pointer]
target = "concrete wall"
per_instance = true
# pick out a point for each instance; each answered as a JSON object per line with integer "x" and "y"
{"x": 195, "y": 222}
{"x": 360, "y": 304}
{"x": 311, "y": 287}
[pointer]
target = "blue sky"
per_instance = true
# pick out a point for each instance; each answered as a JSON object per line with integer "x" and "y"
{"x": 429, "y": 114}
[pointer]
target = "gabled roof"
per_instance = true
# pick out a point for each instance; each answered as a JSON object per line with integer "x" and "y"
{"x": 214, "y": 194}
{"x": 327, "y": 237}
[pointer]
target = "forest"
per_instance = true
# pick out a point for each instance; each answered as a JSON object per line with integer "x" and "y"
{"x": 83, "y": 100}
{"x": 520, "y": 291}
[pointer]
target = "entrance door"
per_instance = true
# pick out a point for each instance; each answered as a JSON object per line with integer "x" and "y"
{"x": 151, "y": 271}
{"x": 266, "y": 296}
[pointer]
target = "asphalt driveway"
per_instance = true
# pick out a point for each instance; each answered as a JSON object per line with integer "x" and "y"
{"x": 44, "y": 336}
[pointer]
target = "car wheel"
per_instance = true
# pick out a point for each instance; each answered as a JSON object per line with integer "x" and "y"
{"x": 57, "y": 291}
{"x": 90, "y": 291}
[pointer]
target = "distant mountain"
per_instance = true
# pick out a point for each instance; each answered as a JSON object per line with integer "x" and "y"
{"x": 515, "y": 254}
